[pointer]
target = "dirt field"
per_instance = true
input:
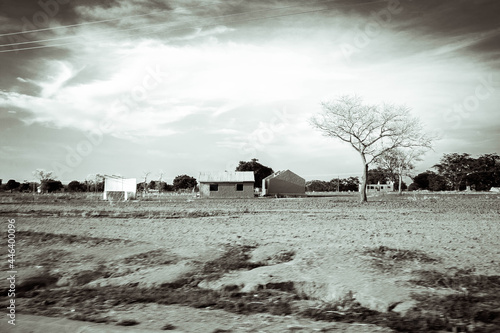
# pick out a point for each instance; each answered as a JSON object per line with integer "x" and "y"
{"x": 412, "y": 263}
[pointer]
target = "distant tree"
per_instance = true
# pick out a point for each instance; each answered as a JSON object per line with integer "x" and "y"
{"x": 455, "y": 168}
{"x": 318, "y": 186}
{"x": 413, "y": 187}
{"x": 160, "y": 182}
{"x": 152, "y": 185}
{"x": 437, "y": 183}
{"x": 94, "y": 183}
{"x": 401, "y": 186}
{"x": 260, "y": 171}
{"x": 140, "y": 187}
{"x": 43, "y": 176}
{"x": 371, "y": 130}
{"x": 166, "y": 187}
{"x": 379, "y": 175}
{"x": 12, "y": 185}
{"x": 422, "y": 180}
{"x": 145, "y": 174}
{"x": 431, "y": 181}
{"x": 349, "y": 184}
{"x": 342, "y": 185}
{"x": 75, "y": 186}
{"x": 52, "y": 186}
{"x": 184, "y": 182}
{"x": 26, "y": 187}
{"x": 484, "y": 173}
{"x": 398, "y": 163}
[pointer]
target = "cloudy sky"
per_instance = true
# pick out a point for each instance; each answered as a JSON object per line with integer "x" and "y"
{"x": 125, "y": 87}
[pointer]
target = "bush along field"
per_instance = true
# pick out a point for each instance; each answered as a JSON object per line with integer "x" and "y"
{"x": 408, "y": 264}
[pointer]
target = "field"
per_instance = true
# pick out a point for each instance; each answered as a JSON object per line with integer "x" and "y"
{"x": 412, "y": 263}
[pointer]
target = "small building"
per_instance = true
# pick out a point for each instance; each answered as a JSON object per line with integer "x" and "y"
{"x": 372, "y": 188}
{"x": 116, "y": 188}
{"x": 284, "y": 183}
{"x": 235, "y": 184}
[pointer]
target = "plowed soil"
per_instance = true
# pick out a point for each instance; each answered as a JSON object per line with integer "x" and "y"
{"x": 396, "y": 263}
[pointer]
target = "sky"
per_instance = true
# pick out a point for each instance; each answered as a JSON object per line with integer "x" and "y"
{"x": 166, "y": 88}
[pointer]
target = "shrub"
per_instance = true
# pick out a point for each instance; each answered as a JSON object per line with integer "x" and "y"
{"x": 413, "y": 187}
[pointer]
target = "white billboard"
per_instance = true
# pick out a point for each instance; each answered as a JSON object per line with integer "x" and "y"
{"x": 115, "y": 184}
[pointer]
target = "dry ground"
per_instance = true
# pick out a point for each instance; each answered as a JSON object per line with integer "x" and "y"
{"x": 413, "y": 263}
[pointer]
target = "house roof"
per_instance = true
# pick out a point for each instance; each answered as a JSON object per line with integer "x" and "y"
{"x": 226, "y": 176}
{"x": 283, "y": 173}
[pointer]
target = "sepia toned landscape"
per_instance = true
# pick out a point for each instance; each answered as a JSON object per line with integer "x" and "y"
{"x": 421, "y": 262}
{"x": 232, "y": 166}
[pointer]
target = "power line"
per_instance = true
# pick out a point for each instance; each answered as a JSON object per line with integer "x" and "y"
{"x": 158, "y": 25}
{"x": 186, "y": 28}
{"x": 92, "y": 22}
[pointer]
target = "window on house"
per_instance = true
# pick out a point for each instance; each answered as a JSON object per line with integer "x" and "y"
{"x": 214, "y": 187}
{"x": 239, "y": 187}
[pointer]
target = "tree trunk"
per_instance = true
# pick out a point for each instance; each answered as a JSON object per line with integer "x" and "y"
{"x": 400, "y": 189}
{"x": 364, "y": 178}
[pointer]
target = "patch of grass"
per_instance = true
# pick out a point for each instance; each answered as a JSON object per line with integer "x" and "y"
{"x": 473, "y": 304}
{"x": 128, "y": 322}
{"x": 150, "y": 258}
{"x": 37, "y": 282}
{"x": 90, "y": 318}
{"x": 234, "y": 258}
{"x": 168, "y": 327}
{"x": 45, "y": 238}
{"x": 345, "y": 310}
{"x": 281, "y": 257}
{"x": 460, "y": 280}
{"x": 91, "y": 299}
{"x": 386, "y": 258}
{"x": 87, "y": 276}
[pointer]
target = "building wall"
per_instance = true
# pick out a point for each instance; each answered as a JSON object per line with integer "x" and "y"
{"x": 281, "y": 186}
{"x": 285, "y": 183}
{"x": 380, "y": 187}
{"x": 227, "y": 190}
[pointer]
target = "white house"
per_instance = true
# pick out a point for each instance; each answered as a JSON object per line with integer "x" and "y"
{"x": 371, "y": 188}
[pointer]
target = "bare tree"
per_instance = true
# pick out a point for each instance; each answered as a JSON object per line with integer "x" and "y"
{"x": 371, "y": 130}
{"x": 43, "y": 176}
{"x": 145, "y": 175}
{"x": 399, "y": 161}
{"x": 160, "y": 181}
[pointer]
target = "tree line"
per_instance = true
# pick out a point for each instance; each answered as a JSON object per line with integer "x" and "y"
{"x": 457, "y": 172}
{"x": 47, "y": 182}
{"x": 454, "y": 172}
